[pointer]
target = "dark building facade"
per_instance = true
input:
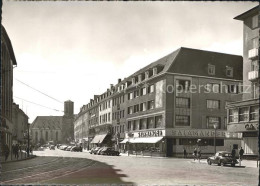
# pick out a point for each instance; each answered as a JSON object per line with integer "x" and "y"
{"x": 243, "y": 116}
{"x": 173, "y": 103}
{"x": 8, "y": 61}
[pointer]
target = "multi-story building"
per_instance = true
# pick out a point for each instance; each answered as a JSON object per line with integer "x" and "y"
{"x": 174, "y": 103}
{"x": 20, "y": 125}
{"x": 243, "y": 116}
{"x": 58, "y": 129}
{"x": 8, "y": 62}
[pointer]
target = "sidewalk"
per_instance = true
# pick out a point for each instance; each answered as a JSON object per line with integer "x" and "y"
{"x": 244, "y": 163}
{"x": 22, "y": 156}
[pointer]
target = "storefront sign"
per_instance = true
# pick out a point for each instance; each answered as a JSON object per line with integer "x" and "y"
{"x": 202, "y": 133}
{"x": 152, "y": 133}
{"x": 250, "y": 134}
{"x": 242, "y": 127}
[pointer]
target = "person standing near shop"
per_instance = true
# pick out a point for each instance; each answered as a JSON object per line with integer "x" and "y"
{"x": 6, "y": 151}
{"x": 233, "y": 153}
{"x": 195, "y": 154}
{"x": 184, "y": 153}
{"x": 241, "y": 153}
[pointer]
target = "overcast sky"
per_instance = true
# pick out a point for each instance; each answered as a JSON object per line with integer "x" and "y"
{"x": 72, "y": 50}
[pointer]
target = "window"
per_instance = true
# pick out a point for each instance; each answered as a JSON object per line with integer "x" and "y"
{"x": 136, "y": 124}
{"x": 143, "y": 91}
{"x": 158, "y": 121}
{"x": 254, "y": 65}
{"x": 182, "y": 120}
{"x": 254, "y": 113}
{"x": 233, "y": 89}
{"x": 109, "y": 116}
{"x": 213, "y": 104}
{"x": 150, "y": 123}
{"x": 136, "y": 108}
{"x": 255, "y": 90}
{"x": 225, "y": 122}
{"x": 255, "y": 42}
{"x": 213, "y": 87}
{"x": 243, "y": 114}
{"x": 142, "y": 106}
{"x": 123, "y": 113}
{"x": 229, "y": 71}
{"x": 213, "y": 120}
{"x": 143, "y": 124}
{"x": 182, "y": 85}
{"x": 46, "y": 136}
{"x": 129, "y": 125}
{"x": 133, "y": 81}
{"x": 255, "y": 21}
{"x": 130, "y": 110}
{"x": 136, "y": 93}
{"x": 150, "y": 89}
{"x": 130, "y": 96}
{"x": 182, "y": 102}
{"x": 211, "y": 69}
{"x": 150, "y": 105}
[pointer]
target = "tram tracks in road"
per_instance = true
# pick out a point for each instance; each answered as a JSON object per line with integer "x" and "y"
{"x": 40, "y": 177}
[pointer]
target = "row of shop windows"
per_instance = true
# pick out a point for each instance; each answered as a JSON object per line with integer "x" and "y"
{"x": 181, "y": 120}
{"x": 203, "y": 142}
{"x": 141, "y": 92}
{"x": 145, "y": 123}
{"x": 141, "y": 107}
{"x": 244, "y": 114}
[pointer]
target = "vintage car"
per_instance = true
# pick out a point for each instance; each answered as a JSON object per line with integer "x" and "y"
{"x": 52, "y": 147}
{"x": 109, "y": 151}
{"x": 222, "y": 158}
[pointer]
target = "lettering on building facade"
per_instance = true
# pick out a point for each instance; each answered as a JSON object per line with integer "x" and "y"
{"x": 197, "y": 133}
{"x": 153, "y": 133}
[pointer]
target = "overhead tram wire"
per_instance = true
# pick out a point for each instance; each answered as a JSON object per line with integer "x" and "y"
{"x": 39, "y": 104}
{"x": 38, "y": 90}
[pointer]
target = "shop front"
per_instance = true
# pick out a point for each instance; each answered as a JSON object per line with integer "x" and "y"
{"x": 102, "y": 136}
{"x": 207, "y": 140}
{"x": 150, "y": 142}
{"x": 250, "y": 135}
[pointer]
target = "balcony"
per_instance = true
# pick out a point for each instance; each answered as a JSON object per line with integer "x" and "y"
{"x": 253, "y": 75}
{"x": 253, "y": 53}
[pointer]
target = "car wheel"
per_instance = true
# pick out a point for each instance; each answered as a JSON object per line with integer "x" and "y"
{"x": 232, "y": 165}
{"x": 219, "y": 163}
{"x": 209, "y": 162}
{"x": 222, "y": 163}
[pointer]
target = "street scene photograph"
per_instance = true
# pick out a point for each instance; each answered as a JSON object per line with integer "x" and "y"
{"x": 129, "y": 93}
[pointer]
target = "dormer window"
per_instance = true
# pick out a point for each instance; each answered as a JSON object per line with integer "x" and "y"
{"x": 211, "y": 69}
{"x": 146, "y": 74}
{"x": 229, "y": 71}
{"x": 133, "y": 81}
{"x": 139, "y": 77}
{"x": 154, "y": 70}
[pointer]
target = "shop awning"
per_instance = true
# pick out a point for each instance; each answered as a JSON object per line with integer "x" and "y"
{"x": 99, "y": 138}
{"x": 142, "y": 140}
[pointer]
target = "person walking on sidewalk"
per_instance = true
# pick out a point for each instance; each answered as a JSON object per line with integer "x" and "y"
{"x": 184, "y": 153}
{"x": 195, "y": 154}
{"x": 6, "y": 151}
{"x": 241, "y": 153}
{"x": 199, "y": 154}
{"x": 233, "y": 153}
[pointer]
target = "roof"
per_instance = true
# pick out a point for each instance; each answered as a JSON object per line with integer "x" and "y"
{"x": 5, "y": 37}
{"x": 51, "y": 122}
{"x": 248, "y": 13}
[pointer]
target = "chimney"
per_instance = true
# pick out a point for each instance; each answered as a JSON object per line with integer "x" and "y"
{"x": 111, "y": 86}
{"x": 119, "y": 80}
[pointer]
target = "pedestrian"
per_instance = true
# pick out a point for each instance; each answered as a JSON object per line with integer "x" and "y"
{"x": 199, "y": 154}
{"x": 241, "y": 153}
{"x": 233, "y": 153}
{"x": 16, "y": 149}
{"x": 6, "y": 151}
{"x": 184, "y": 153}
{"x": 195, "y": 154}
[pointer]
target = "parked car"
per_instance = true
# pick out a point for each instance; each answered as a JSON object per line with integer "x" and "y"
{"x": 63, "y": 147}
{"x": 52, "y": 147}
{"x": 68, "y": 148}
{"x": 104, "y": 151}
{"x": 222, "y": 158}
{"x": 95, "y": 150}
{"x": 92, "y": 150}
{"x": 109, "y": 151}
{"x": 99, "y": 150}
{"x": 76, "y": 149}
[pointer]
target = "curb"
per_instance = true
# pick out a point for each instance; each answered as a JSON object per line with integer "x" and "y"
{"x": 4, "y": 162}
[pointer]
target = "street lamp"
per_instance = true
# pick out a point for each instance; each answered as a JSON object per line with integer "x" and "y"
{"x": 215, "y": 127}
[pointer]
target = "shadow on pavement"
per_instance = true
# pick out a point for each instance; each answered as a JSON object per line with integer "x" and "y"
{"x": 97, "y": 173}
